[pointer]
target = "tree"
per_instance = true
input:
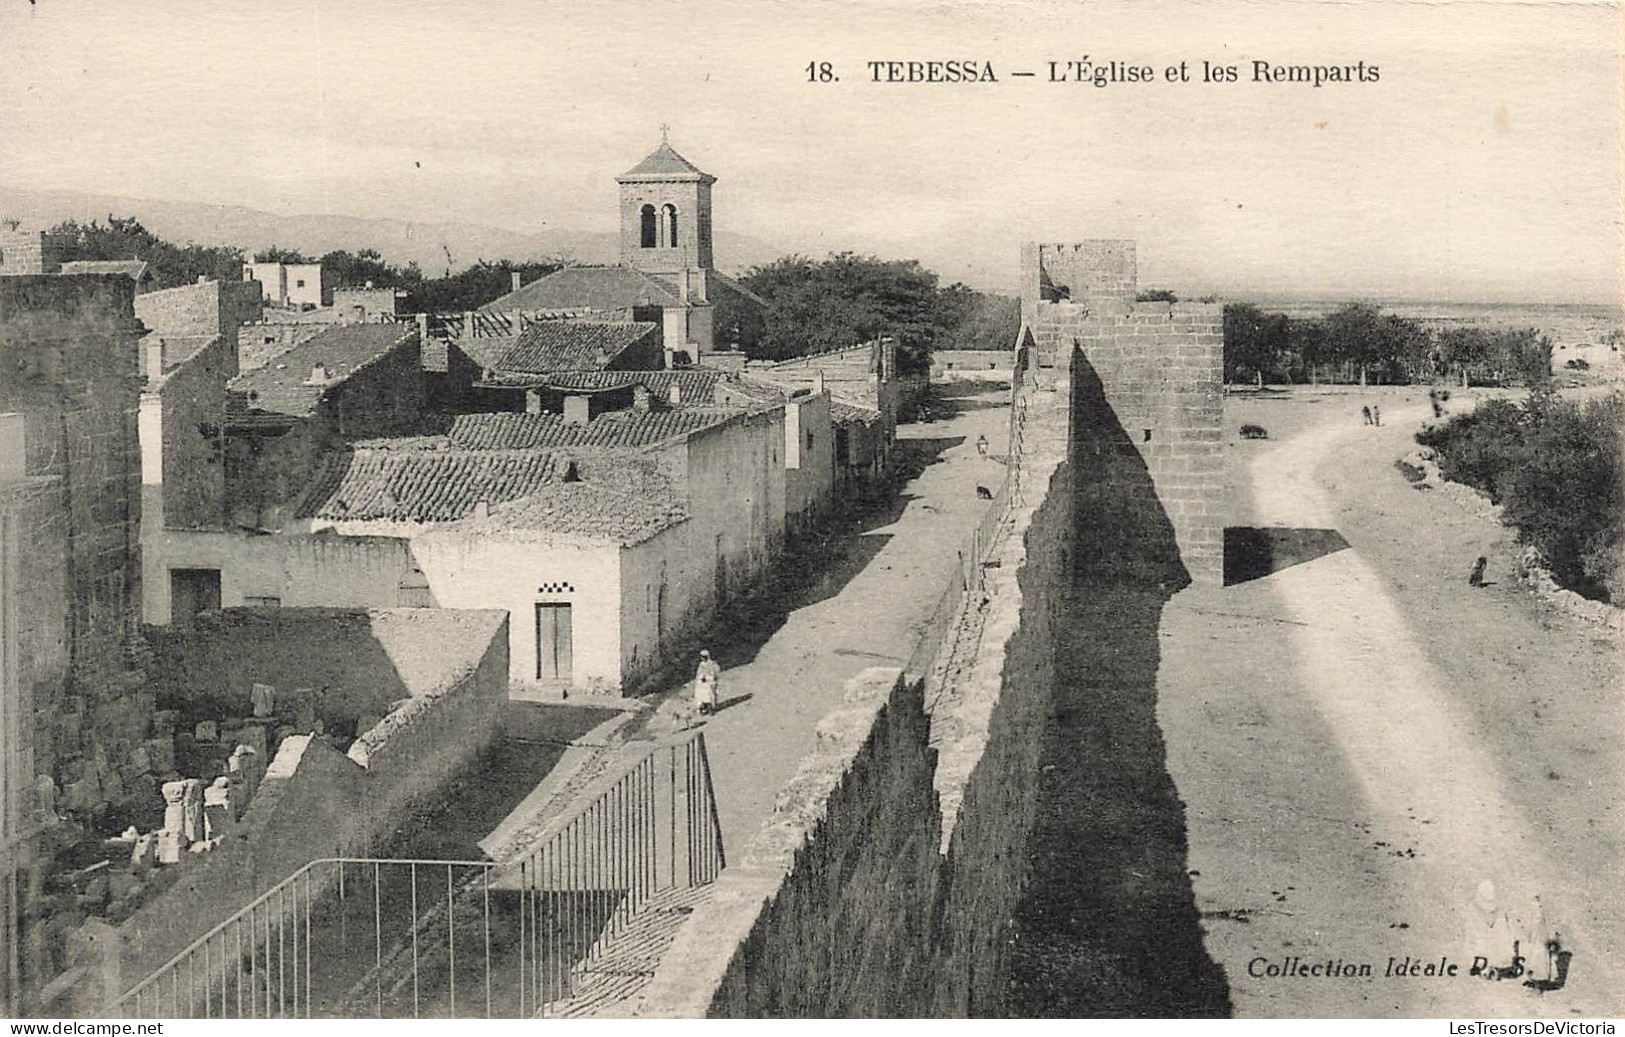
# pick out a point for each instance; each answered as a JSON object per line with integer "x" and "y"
{"x": 473, "y": 287}
{"x": 818, "y": 305}
{"x": 278, "y": 254}
{"x": 977, "y": 320}
{"x": 125, "y": 238}
{"x": 357, "y": 268}
{"x": 1254, "y": 342}
{"x": 1354, "y": 336}
{"x": 1496, "y": 356}
{"x": 1156, "y": 295}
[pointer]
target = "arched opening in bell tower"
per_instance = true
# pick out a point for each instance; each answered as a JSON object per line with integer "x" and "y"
{"x": 668, "y": 220}
{"x": 646, "y": 237}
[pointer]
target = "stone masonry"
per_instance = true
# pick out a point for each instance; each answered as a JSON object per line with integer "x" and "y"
{"x": 68, "y": 366}
{"x": 1158, "y": 368}
{"x": 22, "y": 249}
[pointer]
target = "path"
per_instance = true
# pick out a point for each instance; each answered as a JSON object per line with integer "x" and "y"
{"x": 874, "y": 619}
{"x": 1358, "y": 749}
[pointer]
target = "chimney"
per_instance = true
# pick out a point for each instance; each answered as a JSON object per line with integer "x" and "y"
{"x": 155, "y": 361}
{"x": 640, "y": 398}
{"x": 682, "y": 287}
{"x": 202, "y": 278}
{"x": 518, "y": 280}
{"x": 674, "y": 395}
{"x": 482, "y": 509}
{"x": 319, "y": 375}
{"x": 577, "y": 410}
{"x": 369, "y": 285}
{"x": 818, "y": 382}
{"x": 533, "y": 402}
{"x": 601, "y": 357}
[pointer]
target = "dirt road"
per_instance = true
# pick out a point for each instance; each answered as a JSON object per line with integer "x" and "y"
{"x": 1362, "y": 741}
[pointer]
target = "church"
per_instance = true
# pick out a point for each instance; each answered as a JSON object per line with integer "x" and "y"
{"x": 666, "y": 274}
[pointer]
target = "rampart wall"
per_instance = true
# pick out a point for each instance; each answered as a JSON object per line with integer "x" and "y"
{"x": 884, "y": 881}
{"x": 887, "y": 879}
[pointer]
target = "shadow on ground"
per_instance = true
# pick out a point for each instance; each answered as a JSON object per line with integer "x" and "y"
{"x": 820, "y": 564}
{"x": 1252, "y": 552}
{"x": 1108, "y": 925}
{"x": 535, "y": 735}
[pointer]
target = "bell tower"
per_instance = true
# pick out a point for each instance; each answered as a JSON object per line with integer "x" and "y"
{"x": 666, "y": 214}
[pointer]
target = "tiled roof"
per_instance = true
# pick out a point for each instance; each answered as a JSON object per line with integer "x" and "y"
{"x": 584, "y": 509}
{"x": 589, "y": 288}
{"x": 280, "y": 386}
{"x": 567, "y": 345}
{"x": 755, "y": 389}
{"x": 580, "y": 492}
{"x": 422, "y": 485}
{"x": 664, "y": 163}
{"x": 620, "y": 429}
{"x": 695, "y": 386}
{"x": 132, "y": 268}
{"x": 845, "y": 412}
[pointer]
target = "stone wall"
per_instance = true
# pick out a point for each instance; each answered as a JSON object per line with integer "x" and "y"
{"x": 185, "y": 411}
{"x": 68, "y": 347}
{"x": 316, "y": 802}
{"x": 205, "y": 308}
{"x": 22, "y": 249}
{"x": 1104, "y": 269}
{"x": 1151, "y": 373}
{"x": 951, "y": 365}
{"x": 884, "y": 882}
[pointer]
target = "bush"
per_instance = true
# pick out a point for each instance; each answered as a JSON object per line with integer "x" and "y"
{"x": 1411, "y": 473}
{"x": 1254, "y": 432}
{"x": 1478, "y": 448}
{"x": 1554, "y": 466}
{"x": 1578, "y": 364}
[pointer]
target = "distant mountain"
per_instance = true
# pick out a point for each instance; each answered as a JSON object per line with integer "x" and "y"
{"x": 398, "y": 241}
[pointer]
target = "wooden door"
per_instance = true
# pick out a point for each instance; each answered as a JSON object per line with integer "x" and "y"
{"x": 553, "y": 641}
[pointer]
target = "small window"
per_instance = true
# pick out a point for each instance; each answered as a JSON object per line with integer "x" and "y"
{"x": 646, "y": 232}
{"x": 809, "y": 440}
{"x": 301, "y": 282}
{"x": 261, "y": 602}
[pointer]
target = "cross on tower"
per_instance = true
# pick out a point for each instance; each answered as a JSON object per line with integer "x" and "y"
{"x": 665, "y": 131}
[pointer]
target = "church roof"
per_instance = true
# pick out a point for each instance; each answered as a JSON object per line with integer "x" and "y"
{"x": 589, "y": 288}
{"x": 664, "y": 163}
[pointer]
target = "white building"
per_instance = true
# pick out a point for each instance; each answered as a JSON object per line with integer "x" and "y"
{"x": 297, "y": 286}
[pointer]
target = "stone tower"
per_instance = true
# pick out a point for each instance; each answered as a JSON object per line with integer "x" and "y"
{"x": 666, "y": 215}
{"x": 22, "y": 249}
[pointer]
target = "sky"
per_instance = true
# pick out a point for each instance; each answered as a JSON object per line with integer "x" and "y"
{"x": 1485, "y": 162}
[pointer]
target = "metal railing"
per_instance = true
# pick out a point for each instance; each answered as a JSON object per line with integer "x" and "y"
{"x": 350, "y": 937}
